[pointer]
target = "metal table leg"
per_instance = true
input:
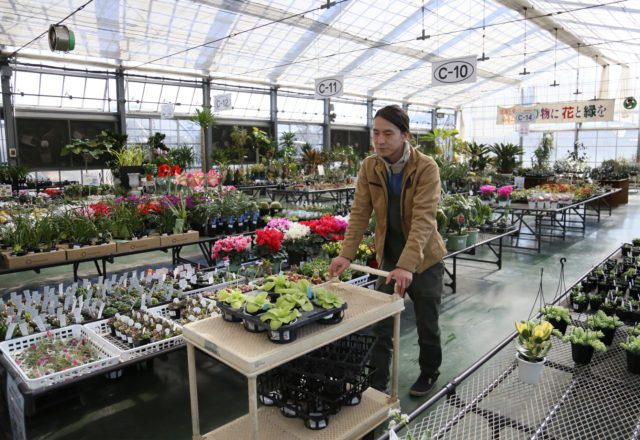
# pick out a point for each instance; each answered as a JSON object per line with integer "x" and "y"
{"x": 193, "y": 392}
{"x": 253, "y": 406}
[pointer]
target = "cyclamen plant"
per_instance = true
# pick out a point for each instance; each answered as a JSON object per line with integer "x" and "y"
{"x": 269, "y": 244}
{"x": 232, "y": 248}
{"x": 487, "y": 192}
{"x": 504, "y": 193}
{"x": 281, "y": 224}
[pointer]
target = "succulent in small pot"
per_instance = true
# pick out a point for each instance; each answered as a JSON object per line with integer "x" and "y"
{"x": 607, "y": 324}
{"x": 632, "y": 348}
{"x": 579, "y": 300}
{"x": 595, "y": 301}
{"x": 558, "y": 316}
{"x": 583, "y": 343}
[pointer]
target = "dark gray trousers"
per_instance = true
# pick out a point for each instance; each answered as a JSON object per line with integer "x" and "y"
{"x": 425, "y": 292}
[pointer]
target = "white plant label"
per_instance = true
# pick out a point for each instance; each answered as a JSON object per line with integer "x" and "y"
{"x": 329, "y": 87}
{"x": 222, "y": 102}
{"x": 454, "y": 71}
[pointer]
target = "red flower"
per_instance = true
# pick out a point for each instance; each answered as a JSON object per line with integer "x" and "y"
{"x": 325, "y": 227}
{"x": 164, "y": 170}
{"x": 269, "y": 238}
{"x": 52, "y": 191}
{"x": 176, "y": 170}
{"x": 100, "y": 209}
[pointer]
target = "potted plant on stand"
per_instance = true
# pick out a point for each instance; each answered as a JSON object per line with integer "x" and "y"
{"x": 204, "y": 118}
{"x": 268, "y": 246}
{"x": 295, "y": 242}
{"x": 458, "y": 211}
{"x": 632, "y": 347}
{"x": 504, "y": 195}
{"x": 233, "y": 251}
{"x": 583, "y": 343}
{"x": 558, "y": 316}
{"x": 533, "y": 343}
{"x": 487, "y": 193}
{"x": 606, "y": 324}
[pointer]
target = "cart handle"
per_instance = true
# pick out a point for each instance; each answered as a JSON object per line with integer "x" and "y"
{"x": 367, "y": 269}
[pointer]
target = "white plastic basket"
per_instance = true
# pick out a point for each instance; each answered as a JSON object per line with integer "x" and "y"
{"x": 163, "y": 311}
{"x": 124, "y": 351}
{"x": 213, "y": 288}
{"x": 108, "y": 355}
{"x": 360, "y": 280}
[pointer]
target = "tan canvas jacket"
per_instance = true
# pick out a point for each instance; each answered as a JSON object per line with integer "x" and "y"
{"x": 419, "y": 199}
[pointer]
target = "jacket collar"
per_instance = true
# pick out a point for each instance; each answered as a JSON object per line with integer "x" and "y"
{"x": 397, "y": 167}
{"x": 409, "y": 163}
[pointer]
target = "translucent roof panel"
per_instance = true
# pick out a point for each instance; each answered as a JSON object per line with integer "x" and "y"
{"x": 289, "y": 43}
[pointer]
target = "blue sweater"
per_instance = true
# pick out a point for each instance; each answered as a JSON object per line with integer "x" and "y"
{"x": 395, "y": 182}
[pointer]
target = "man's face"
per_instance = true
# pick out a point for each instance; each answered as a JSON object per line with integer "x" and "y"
{"x": 388, "y": 139}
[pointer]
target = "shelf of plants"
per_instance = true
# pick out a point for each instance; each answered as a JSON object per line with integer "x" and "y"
{"x": 549, "y": 216}
{"x": 251, "y": 354}
{"x": 586, "y": 387}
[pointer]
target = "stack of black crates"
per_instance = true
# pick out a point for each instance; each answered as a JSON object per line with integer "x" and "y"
{"x": 319, "y": 384}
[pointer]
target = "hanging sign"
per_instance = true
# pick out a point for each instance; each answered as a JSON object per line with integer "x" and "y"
{"x": 559, "y": 112}
{"x": 222, "y": 102}
{"x": 166, "y": 110}
{"x": 455, "y": 71}
{"x": 523, "y": 128}
{"x": 329, "y": 87}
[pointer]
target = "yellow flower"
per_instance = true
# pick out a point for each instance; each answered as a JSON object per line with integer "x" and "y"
{"x": 521, "y": 326}
{"x": 543, "y": 330}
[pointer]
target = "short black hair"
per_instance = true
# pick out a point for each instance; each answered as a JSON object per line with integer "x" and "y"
{"x": 396, "y": 115}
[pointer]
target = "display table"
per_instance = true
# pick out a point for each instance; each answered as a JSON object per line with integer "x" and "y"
{"x": 484, "y": 239}
{"x": 538, "y": 224}
{"x": 314, "y": 196}
{"x": 252, "y": 354}
{"x": 621, "y": 197}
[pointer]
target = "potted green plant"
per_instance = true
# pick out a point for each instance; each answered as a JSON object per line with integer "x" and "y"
{"x": 583, "y": 343}
{"x": 606, "y": 324}
{"x": 532, "y": 345}
{"x": 284, "y": 314}
{"x": 579, "y": 300}
{"x": 129, "y": 160}
{"x": 458, "y": 210}
{"x": 632, "y": 348}
{"x": 505, "y": 158}
{"x": 204, "y": 118}
{"x": 558, "y": 316}
{"x": 258, "y": 303}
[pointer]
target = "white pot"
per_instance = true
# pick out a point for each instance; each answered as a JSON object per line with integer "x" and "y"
{"x": 503, "y": 202}
{"x": 532, "y": 205}
{"x": 529, "y": 371}
{"x": 134, "y": 180}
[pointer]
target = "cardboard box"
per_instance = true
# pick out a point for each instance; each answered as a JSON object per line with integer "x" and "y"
{"x": 91, "y": 251}
{"x": 139, "y": 244}
{"x": 14, "y": 262}
{"x": 185, "y": 237}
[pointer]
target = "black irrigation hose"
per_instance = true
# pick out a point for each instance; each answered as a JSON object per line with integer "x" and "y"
{"x": 450, "y": 387}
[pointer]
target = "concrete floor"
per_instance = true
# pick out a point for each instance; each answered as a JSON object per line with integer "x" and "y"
{"x": 152, "y": 401}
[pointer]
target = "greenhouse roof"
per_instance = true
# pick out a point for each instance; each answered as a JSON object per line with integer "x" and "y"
{"x": 375, "y": 45}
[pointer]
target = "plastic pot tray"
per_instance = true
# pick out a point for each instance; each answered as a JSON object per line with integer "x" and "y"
{"x": 124, "y": 351}
{"x": 108, "y": 355}
{"x": 286, "y": 333}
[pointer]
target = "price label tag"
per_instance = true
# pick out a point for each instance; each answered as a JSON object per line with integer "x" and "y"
{"x": 36, "y": 298}
{"x": 101, "y": 309}
{"x": 182, "y": 284}
{"x": 63, "y": 320}
{"x": 40, "y": 324}
{"x": 24, "y": 330}
{"x": 19, "y": 308}
{"x": 193, "y": 279}
{"x": 68, "y": 300}
{"x": 143, "y": 302}
{"x": 10, "y": 330}
{"x": 27, "y": 297}
{"x": 77, "y": 314}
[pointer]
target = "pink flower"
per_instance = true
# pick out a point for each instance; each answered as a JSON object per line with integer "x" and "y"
{"x": 181, "y": 179}
{"x": 198, "y": 178}
{"x": 49, "y": 333}
{"x": 212, "y": 178}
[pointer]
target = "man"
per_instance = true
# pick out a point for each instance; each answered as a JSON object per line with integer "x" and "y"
{"x": 402, "y": 186}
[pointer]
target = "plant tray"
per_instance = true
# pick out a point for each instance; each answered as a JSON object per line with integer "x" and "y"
{"x": 124, "y": 350}
{"x": 164, "y": 312}
{"x": 185, "y": 237}
{"x": 108, "y": 355}
{"x": 286, "y": 333}
{"x": 140, "y": 244}
{"x": 13, "y": 262}
{"x": 98, "y": 250}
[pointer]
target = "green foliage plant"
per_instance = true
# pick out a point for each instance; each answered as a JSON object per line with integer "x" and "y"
{"x": 580, "y": 336}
